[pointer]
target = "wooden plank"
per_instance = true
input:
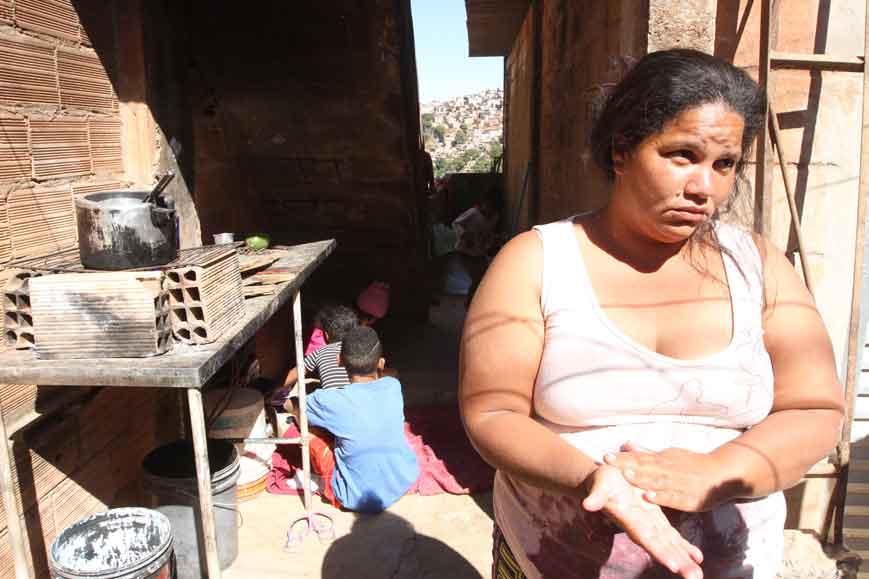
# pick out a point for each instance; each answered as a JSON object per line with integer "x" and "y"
{"x": 110, "y": 315}
{"x": 303, "y": 414}
{"x": 251, "y": 262}
{"x": 203, "y": 482}
{"x": 815, "y": 62}
{"x": 796, "y": 225}
{"x": 762, "y": 176}
{"x": 17, "y": 531}
{"x": 854, "y": 344}
{"x": 259, "y": 290}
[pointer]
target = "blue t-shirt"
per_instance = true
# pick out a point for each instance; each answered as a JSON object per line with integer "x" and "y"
{"x": 374, "y": 464}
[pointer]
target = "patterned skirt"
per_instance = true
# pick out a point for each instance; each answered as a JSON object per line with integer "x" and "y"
{"x": 504, "y": 565}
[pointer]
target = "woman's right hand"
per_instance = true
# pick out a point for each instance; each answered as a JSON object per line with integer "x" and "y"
{"x": 645, "y": 523}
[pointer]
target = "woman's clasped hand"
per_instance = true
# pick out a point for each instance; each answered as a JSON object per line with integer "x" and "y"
{"x": 644, "y": 522}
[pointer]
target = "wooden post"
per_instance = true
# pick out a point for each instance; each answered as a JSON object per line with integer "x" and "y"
{"x": 792, "y": 202}
{"x": 854, "y": 342}
{"x": 762, "y": 177}
{"x": 17, "y": 532}
{"x": 303, "y": 414}
{"x": 203, "y": 480}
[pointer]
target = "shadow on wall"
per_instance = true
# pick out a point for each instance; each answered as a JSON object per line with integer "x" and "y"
{"x": 387, "y": 545}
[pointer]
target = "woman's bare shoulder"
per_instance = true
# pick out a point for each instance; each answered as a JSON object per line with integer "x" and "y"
{"x": 513, "y": 280}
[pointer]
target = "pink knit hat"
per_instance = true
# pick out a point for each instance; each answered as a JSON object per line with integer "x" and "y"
{"x": 374, "y": 300}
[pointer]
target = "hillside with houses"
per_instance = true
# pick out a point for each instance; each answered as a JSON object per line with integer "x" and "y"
{"x": 464, "y": 134}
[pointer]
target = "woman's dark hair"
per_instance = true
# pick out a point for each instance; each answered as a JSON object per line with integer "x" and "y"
{"x": 659, "y": 87}
{"x": 336, "y": 321}
{"x": 361, "y": 351}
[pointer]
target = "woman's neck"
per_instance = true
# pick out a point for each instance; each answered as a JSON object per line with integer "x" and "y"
{"x": 611, "y": 231}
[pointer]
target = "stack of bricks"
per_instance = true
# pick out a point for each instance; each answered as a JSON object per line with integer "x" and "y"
{"x": 17, "y": 314}
{"x": 206, "y": 299}
{"x": 115, "y": 314}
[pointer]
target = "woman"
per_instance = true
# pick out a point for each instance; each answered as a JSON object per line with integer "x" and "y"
{"x": 645, "y": 378}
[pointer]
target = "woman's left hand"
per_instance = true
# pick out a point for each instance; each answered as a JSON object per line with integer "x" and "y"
{"x": 676, "y": 478}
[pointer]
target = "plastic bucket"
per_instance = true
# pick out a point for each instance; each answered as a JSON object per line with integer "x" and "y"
{"x": 128, "y": 543}
{"x": 170, "y": 476}
{"x": 241, "y": 415}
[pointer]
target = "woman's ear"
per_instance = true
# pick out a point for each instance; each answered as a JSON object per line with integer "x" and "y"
{"x": 618, "y": 158}
{"x": 381, "y": 363}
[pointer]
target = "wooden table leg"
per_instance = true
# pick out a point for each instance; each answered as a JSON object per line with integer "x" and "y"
{"x": 16, "y": 531}
{"x": 203, "y": 480}
{"x": 303, "y": 415}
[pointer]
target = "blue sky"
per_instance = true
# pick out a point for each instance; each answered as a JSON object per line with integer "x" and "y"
{"x": 443, "y": 66}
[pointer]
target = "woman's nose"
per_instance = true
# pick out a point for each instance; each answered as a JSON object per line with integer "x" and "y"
{"x": 699, "y": 182}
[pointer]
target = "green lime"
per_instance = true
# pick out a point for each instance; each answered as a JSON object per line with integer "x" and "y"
{"x": 257, "y": 242}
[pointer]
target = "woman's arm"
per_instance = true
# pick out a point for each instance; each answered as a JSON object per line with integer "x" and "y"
{"x": 502, "y": 345}
{"x": 806, "y": 418}
{"x": 802, "y": 427}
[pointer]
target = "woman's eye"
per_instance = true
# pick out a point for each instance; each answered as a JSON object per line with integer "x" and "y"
{"x": 681, "y": 154}
{"x": 725, "y": 164}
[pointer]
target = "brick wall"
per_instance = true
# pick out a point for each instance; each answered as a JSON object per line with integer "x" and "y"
{"x": 61, "y": 136}
{"x": 60, "y": 126}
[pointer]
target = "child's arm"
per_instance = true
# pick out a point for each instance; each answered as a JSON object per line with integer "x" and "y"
{"x": 292, "y": 407}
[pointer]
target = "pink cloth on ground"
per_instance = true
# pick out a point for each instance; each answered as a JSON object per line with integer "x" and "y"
{"x": 452, "y": 466}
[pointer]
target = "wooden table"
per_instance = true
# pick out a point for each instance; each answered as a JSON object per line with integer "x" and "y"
{"x": 185, "y": 366}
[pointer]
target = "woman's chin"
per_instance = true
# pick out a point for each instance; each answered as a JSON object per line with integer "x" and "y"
{"x": 676, "y": 232}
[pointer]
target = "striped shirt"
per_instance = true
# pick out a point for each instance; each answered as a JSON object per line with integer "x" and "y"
{"x": 324, "y": 361}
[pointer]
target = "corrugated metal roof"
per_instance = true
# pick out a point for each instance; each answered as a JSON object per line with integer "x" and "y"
{"x": 493, "y": 25}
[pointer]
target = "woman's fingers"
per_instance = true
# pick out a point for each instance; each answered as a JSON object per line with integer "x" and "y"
{"x": 671, "y": 550}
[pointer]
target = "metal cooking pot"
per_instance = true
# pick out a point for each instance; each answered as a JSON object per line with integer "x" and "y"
{"x": 116, "y": 230}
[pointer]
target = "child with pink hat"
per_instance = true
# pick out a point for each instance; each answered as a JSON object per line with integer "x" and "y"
{"x": 373, "y": 303}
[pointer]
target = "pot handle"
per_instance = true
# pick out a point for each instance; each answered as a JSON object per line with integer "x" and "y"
{"x": 161, "y": 217}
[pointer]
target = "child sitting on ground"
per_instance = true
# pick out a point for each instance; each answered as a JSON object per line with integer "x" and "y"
{"x": 358, "y": 444}
{"x": 336, "y": 322}
{"x": 373, "y": 303}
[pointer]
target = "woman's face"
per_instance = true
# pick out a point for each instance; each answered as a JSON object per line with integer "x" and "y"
{"x": 675, "y": 179}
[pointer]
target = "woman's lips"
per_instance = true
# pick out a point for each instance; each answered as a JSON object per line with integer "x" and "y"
{"x": 688, "y": 214}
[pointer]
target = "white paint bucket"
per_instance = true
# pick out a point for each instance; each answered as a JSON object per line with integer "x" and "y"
{"x": 126, "y": 543}
{"x": 243, "y": 417}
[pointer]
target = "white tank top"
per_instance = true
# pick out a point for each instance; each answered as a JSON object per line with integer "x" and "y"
{"x": 595, "y": 378}
{"x": 599, "y": 388}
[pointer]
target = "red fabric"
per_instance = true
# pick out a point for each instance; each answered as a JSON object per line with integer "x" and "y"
{"x": 447, "y": 461}
{"x": 323, "y": 463}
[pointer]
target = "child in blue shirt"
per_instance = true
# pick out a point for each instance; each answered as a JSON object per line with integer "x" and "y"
{"x": 358, "y": 443}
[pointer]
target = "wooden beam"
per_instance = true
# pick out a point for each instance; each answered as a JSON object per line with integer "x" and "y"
{"x": 303, "y": 412}
{"x": 16, "y": 531}
{"x": 203, "y": 482}
{"x": 816, "y": 62}
{"x": 792, "y": 202}
{"x": 762, "y": 175}
{"x": 854, "y": 342}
